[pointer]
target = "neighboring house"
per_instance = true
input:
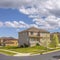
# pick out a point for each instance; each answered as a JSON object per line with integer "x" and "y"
{"x": 8, "y": 41}
{"x": 58, "y": 34}
{"x": 32, "y": 36}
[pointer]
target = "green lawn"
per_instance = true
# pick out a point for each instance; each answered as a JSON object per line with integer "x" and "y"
{"x": 35, "y": 49}
{"x": 6, "y": 52}
{"x": 29, "y": 49}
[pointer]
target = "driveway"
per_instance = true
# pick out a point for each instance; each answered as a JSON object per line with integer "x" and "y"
{"x": 49, "y": 56}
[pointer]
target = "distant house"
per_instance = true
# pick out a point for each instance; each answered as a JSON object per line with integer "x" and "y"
{"x": 8, "y": 41}
{"x": 33, "y": 36}
{"x": 58, "y": 34}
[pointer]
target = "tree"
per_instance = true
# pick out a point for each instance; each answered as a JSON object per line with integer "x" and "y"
{"x": 55, "y": 40}
{"x": 45, "y": 43}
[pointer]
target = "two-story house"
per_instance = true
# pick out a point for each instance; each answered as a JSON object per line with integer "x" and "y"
{"x": 32, "y": 36}
{"x": 8, "y": 41}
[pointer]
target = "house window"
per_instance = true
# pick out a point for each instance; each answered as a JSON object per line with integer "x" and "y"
{"x": 31, "y": 33}
{"x": 31, "y": 39}
{"x": 9, "y": 42}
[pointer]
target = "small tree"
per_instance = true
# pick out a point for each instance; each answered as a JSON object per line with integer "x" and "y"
{"x": 55, "y": 40}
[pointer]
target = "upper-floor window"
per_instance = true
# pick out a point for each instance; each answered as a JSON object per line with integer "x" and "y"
{"x": 31, "y": 33}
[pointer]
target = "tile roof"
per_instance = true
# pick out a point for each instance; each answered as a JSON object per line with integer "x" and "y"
{"x": 8, "y": 38}
{"x": 34, "y": 29}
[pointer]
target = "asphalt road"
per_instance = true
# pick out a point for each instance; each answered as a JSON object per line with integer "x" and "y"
{"x": 49, "y": 56}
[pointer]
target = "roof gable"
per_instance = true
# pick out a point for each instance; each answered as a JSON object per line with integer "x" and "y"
{"x": 34, "y": 29}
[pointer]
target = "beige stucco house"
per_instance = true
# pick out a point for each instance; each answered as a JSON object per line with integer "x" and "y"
{"x": 32, "y": 36}
{"x": 8, "y": 41}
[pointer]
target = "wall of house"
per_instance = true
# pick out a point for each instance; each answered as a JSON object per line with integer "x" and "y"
{"x": 11, "y": 43}
{"x": 34, "y": 34}
{"x": 44, "y": 38}
{"x": 33, "y": 41}
{"x": 6, "y": 42}
{"x": 40, "y": 38}
{"x": 34, "y": 38}
{"x": 23, "y": 39}
{"x": 1, "y": 42}
{"x": 44, "y": 34}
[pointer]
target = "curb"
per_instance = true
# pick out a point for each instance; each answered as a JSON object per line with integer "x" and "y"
{"x": 45, "y": 52}
{"x": 38, "y": 53}
{"x": 51, "y": 51}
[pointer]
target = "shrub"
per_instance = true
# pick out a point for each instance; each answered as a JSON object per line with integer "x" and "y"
{"x": 37, "y": 44}
{"x": 21, "y": 46}
{"x": 25, "y": 45}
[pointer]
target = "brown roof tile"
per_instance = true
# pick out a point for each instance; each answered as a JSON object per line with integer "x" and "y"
{"x": 35, "y": 30}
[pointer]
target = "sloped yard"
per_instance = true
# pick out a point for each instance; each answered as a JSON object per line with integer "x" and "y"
{"x": 35, "y": 49}
{"x": 7, "y": 52}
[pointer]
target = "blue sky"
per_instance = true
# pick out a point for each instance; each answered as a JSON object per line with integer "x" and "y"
{"x": 17, "y": 15}
{"x": 12, "y": 15}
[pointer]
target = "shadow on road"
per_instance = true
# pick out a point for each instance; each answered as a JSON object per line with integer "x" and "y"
{"x": 57, "y": 56}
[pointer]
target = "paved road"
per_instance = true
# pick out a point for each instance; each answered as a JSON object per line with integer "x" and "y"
{"x": 49, "y": 56}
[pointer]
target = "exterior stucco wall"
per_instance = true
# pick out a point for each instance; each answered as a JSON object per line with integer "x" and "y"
{"x": 7, "y": 42}
{"x": 23, "y": 39}
{"x": 44, "y": 38}
{"x": 11, "y": 43}
{"x": 34, "y": 34}
{"x": 33, "y": 39}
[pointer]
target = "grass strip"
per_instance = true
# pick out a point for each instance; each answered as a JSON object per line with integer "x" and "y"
{"x": 7, "y": 53}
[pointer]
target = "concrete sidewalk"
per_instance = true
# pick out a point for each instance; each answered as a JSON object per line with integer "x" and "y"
{"x": 23, "y": 54}
{"x": 17, "y": 53}
{"x": 9, "y": 51}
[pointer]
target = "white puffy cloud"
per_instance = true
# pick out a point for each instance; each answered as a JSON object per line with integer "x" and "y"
{"x": 23, "y": 24}
{"x": 39, "y": 7}
{"x": 1, "y": 24}
{"x": 42, "y": 7}
{"x": 51, "y": 22}
{"x": 36, "y": 9}
{"x": 50, "y": 9}
{"x": 19, "y": 24}
{"x": 33, "y": 25}
{"x": 13, "y": 3}
{"x": 9, "y": 24}
{"x": 15, "y": 24}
